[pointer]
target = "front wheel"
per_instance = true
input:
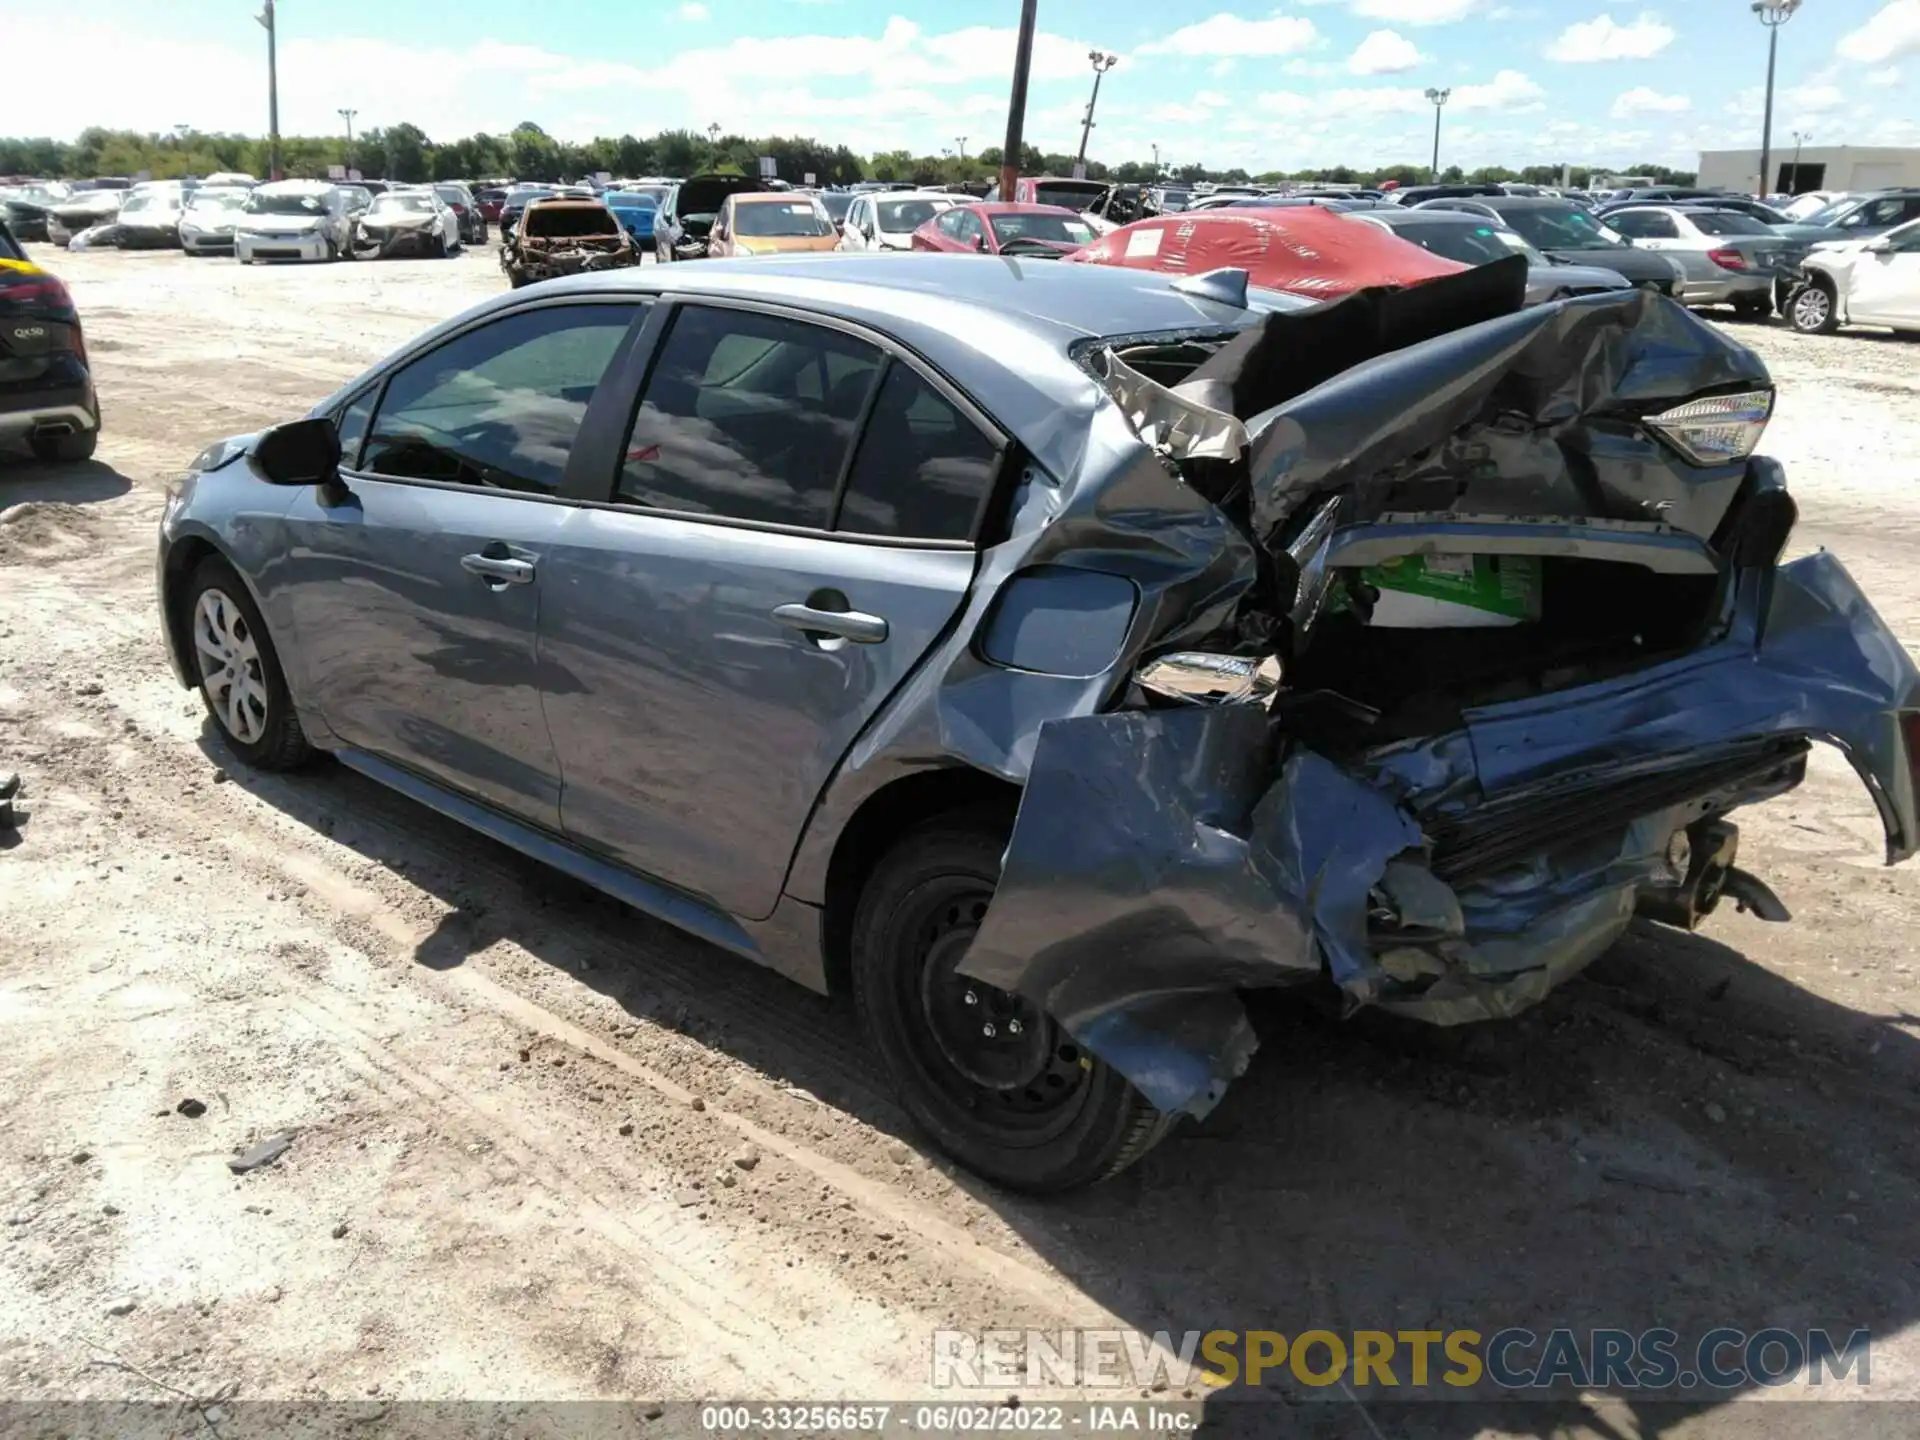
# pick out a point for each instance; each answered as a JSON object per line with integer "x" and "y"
{"x": 992, "y": 1079}
{"x": 1813, "y": 311}
{"x": 241, "y": 681}
{"x": 1753, "y": 307}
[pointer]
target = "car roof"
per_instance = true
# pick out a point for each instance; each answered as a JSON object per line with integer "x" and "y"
{"x": 1393, "y": 216}
{"x": 761, "y": 197}
{"x": 999, "y": 328}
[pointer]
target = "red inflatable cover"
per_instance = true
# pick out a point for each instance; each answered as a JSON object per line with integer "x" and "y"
{"x": 1306, "y": 249}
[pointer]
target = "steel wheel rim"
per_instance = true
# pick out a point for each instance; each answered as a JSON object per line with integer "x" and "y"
{"x": 1041, "y": 1105}
{"x": 230, "y": 668}
{"x": 1812, "y": 308}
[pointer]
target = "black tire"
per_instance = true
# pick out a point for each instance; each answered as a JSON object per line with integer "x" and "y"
{"x": 1053, "y": 1117}
{"x": 1753, "y": 307}
{"x": 68, "y": 449}
{"x": 280, "y": 744}
{"x": 1814, "y": 309}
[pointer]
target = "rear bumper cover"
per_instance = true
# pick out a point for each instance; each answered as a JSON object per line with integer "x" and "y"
{"x": 1164, "y": 861}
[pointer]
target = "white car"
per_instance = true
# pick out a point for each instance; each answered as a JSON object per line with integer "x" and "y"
{"x": 293, "y": 220}
{"x": 886, "y": 219}
{"x": 206, "y": 227}
{"x": 406, "y": 222}
{"x": 1860, "y": 282}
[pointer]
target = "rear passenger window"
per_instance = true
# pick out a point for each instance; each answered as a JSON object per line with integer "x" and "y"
{"x": 499, "y": 406}
{"x": 923, "y": 469}
{"x": 748, "y": 416}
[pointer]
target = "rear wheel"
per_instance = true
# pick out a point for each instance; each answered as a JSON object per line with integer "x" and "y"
{"x": 241, "y": 681}
{"x": 1813, "y": 311}
{"x": 1753, "y": 307}
{"x": 68, "y": 449}
{"x": 993, "y": 1080}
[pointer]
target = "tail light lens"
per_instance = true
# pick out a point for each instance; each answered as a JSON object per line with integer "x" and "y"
{"x": 1716, "y": 429}
{"x": 43, "y": 290}
{"x": 1728, "y": 259}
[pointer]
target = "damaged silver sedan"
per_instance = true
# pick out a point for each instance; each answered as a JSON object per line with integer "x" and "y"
{"x": 1053, "y": 654}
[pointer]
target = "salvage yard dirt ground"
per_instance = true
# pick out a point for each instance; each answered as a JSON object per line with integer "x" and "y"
{"x": 545, "y": 1147}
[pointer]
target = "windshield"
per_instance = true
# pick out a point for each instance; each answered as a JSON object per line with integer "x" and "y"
{"x": 401, "y": 205}
{"x": 1830, "y": 213}
{"x": 1554, "y": 227}
{"x": 137, "y": 203}
{"x": 1062, "y": 229}
{"x": 900, "y": 215}
{"x": 774, "y": 218}
{"x": 633, "y": 200}
{"x": 259, "y": 204}
{"x": 1174, "y": 199}
{"x": 452, "y": 194}
{"x": 1074, "y": 194}
{"x": 1728, "y": 222}
{"x": 1469, "y": 244}
{"x": 837, "y": 205}
{"x": 216, "y": 200}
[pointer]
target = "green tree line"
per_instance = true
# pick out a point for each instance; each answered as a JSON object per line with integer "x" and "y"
{"x": 404, "y": 152}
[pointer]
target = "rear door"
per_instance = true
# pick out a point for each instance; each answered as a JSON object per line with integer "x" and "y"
{"x": 416, "y": 591}
{"x": 786, "y": 531}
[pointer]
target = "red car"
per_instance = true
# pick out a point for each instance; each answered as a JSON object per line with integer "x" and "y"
{"x": 996, "y": 229}
{"x": 1305, "y": 249}
{"x": 490, "y": 201}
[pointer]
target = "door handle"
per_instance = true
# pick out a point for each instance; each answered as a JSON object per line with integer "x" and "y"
{"x": 498, "y": 570}
{"x": 851, "y": 625}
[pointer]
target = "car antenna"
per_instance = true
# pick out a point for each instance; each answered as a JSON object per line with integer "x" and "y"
{"x": 1228, "y": 285}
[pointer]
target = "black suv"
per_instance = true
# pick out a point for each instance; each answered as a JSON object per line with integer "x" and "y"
{"x": 46, "y": 390}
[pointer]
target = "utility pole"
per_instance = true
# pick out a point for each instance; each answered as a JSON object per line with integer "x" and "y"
{"x": 1156, "y": 161}
{"x": 1438, "y": 99}
{"x": 265, "y": 18}
{"x": 1017, "y": 102}
{"x": 1102, "y": 63}
{"x": 347, "y": 115}
{"x": 1773, "y": 14}
{"x": 1800, "y": 137}
{"x": 713, "y": 139}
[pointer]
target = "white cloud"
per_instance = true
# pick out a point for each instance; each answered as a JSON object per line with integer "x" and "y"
{"x": 1384, "y": 52}
{"x": 1311, "y": 69}
{"x": 1508, "y": 90}
{"x": 1891, "y": 34}
{"x": 1225, "y": 34}
{"x": 693, "y": 10}
{"x": 1604, "y": 38}
{"x": 1885, "y": 79}
{"x": 1644, "y": 100}
{"x": 1221, "y": 68}
{"x": 1416, "y": 12}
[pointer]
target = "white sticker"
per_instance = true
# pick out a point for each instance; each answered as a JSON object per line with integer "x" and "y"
{"x": 1144, "y": 242}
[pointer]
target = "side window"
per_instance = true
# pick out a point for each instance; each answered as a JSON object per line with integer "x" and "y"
{"x": 949, "y": 223}
{"x": 923, "y": 468}
{"x": 747, "y": 416}
{"x": 352, "y": 426}
{"x": 1645, "y": 225}
{"x": 500, "y": 405}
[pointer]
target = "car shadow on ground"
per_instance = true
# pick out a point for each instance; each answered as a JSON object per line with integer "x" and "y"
{"x": 1679, "y": 1138}
{"x": 24, "y": 479}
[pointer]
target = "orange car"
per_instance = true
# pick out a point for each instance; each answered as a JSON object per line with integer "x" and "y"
{"x": 780, "y": 223}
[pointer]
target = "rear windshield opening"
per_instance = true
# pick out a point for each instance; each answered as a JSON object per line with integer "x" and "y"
{"x": 571, "y": 220}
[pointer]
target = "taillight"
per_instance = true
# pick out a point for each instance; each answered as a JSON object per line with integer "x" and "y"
{"x": 1716, "y": 429}
{"x": 1728, "y": 259}
{"x": 39, "y": 290}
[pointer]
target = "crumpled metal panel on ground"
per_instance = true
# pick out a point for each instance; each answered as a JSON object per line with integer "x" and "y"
{"x": 1164, "y": 861}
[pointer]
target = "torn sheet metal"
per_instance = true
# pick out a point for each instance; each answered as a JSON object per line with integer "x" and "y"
{"x": 1162, "y": 863}
{"x": 1532, "y": 414}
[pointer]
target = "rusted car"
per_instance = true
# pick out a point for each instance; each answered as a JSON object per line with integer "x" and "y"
{"x": 565, "y": 235}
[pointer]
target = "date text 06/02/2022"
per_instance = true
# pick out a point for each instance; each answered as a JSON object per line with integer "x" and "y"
{"x": 1512, "y": 1358}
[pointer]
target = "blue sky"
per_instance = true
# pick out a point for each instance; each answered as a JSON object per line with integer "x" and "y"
{"x": 1312, "y": 82}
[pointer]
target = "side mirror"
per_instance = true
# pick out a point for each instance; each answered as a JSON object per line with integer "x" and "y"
{"x": 979, "y": 242}
{"x": 301, "y": 452}
{"x": 1880, "y": 246}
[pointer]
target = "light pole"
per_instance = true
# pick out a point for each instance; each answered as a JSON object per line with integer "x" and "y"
{"x": 713, "y": 141}
{"x": 1800, "y": 137}
{"x": 1102, "y": 62}
{"x": 347, "y": 114}
{"x": 1438, "y": 99}
{"x": 265, "y": 18}
{"x": 1156, "y": 161}
{"x": 961, "y": 141}
{"x": 1017, "y": 102}
{"x": 1773, "y": 14}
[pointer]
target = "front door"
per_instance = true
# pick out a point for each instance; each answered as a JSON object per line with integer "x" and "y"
{"x": 769, "y": 573}
{"x": 1885, "y": 288}
{"x": 416, "y": 592}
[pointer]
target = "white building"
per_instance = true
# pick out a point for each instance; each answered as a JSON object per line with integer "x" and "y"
{"x": 1822, "y": 167}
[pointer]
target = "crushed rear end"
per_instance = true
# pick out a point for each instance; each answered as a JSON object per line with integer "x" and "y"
{"x": 1493, "y": 636}
{"x": 566, "y": 237}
